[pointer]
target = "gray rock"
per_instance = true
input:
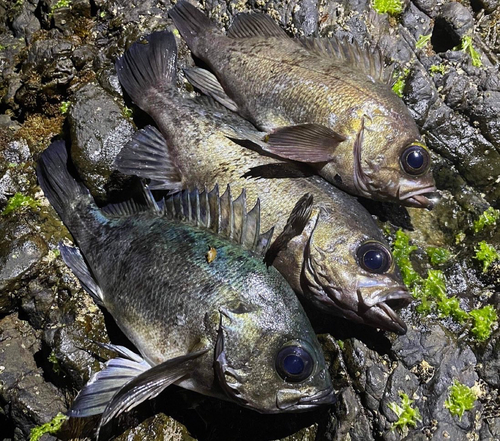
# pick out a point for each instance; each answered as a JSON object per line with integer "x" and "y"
{"x": 28, "y": 399}
{"x": 26, "y": 23}
{"x": 98, "y": 131}
{"x": 457, "y": 18}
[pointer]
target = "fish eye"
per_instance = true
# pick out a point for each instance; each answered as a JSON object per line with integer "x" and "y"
{"x": 415, "y": 160}
{"x": 294, "y": 364}
{"x": 374, "y": 257}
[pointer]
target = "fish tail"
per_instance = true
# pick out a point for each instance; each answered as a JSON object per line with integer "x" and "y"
{"x": 62, "y": 190}
{"x": 192, "y": 24}
{"x": 148, "y": 68}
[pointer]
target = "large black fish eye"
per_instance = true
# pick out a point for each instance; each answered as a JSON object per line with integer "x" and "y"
{"x": 294, "y": 364}
{"x": 374, "y": 257}
{"x": 415, "y": 160}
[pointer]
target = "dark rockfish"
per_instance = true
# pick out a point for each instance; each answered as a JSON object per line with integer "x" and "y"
{"x": 321, "y": 101}
{"x": 228, "y": 327}
{"x": 330, "y": 250}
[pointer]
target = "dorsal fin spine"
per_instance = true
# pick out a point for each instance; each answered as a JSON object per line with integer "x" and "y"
{"x": 220, "y": 214}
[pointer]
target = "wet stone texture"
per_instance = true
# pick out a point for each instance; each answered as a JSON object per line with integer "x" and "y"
{"x": 57, "y": 80}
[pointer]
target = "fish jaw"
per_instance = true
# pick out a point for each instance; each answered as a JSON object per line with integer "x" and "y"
{"x": 293, "y": 401}
{"x": 419, "y": 198}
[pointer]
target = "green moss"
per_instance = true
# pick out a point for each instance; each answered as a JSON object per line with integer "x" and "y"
{"x": 466, "y": 46}
{"x": 55, "y": 362}
{"x": 400, "y": 83}
{"x": 401, "y": 251}
{"x": 51, "y": 427}
{"x": 486, "y": 254}
{"x": 422, "y": 41}
{"x": 437, "y": 68}
{"x": 64, "y": 107}
{"x": 461, "y": 398}
{"x": 483, "y": 319}
{"x": 127, "y": 112}
{"x": 17, "y": 201}
{"x": 450, "y": 307}
{"x": 438, "y": 256}
{"x": 407, "y": 415}
{"x": 62, "y": 4}
{"x": 391, "y": 7}
{"x": 488, "y": 218}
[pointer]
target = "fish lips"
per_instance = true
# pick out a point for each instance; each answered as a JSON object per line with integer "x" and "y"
{"x": 294, "y": 401}
{"x": 382, "y": 314}
{"x": 425, "y": 197}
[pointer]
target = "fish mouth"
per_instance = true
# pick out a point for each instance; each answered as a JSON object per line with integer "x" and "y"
{"x": 383, "y": 315}
{"x": 324, "y": 397}
{"x": 418, "y": 198}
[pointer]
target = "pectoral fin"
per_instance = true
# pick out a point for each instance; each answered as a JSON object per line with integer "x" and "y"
{"x": 147, "y": 156}
{"x": 295, "y": 225}
{"x": 99, "y": 391}
{"x": 208, "y": 84}
{"x": 149, "y": 384}
{"x": 74, "y": 259}
{"x": 304, "y": 143}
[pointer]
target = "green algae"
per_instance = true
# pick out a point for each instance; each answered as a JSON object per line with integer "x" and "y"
{"x": 466, "y": 46}
{"x": 461, "y": 399}
{"x": 488, "y": 218}
{"x": 407, "y": 415}
{"x": 437, "y": 255}
{"x": 391, "y": 7}
{"x": 17, "y": 201}
{"x": 400, "y": 83}
{"x": 484, "y": 319}
{"x": 51, "y": 427}
{"x": 486, "y": 254}
{"x": 422, "y": 41}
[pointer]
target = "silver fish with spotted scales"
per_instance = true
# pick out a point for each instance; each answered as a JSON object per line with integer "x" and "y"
{"x": 330, "y": 250}
{"x": 231, "y": 328}
{"x": 321, "y": 101}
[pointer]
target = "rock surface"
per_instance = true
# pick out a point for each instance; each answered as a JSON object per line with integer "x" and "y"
{"x": 57, "y": 80}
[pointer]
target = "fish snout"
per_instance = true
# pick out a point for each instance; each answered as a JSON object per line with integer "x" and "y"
{"x": 382, "y": 314}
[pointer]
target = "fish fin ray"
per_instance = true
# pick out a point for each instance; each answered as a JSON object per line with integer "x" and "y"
{"x": 62, "y": 190}
{"x": 221, "y": 215}
{"x": 191, "y": 23}
{"x": 304, "y": 143}
{"x": 255, "y": 25}
{"x": 147, "y": 156}
{"x": 99, "y": 391}
{"x": 208, "y": 84}
{"x": 75, "y": 261}
{"x": 367, "y": 58}
{"x": 148, "y": 67}
{"x": 295, "y": 225}
{"x": 149, "y": 384}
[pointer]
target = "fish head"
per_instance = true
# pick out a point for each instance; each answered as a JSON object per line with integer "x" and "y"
{"x": 271, "y": 361}
{"x": 353, "y": 275}
{"x": 391, "y": 162}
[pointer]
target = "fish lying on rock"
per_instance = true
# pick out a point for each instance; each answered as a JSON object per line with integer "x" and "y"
{"x": 231, "y": 328}
{"x": 330, "y": 251}
{"x": 321, "y": 101}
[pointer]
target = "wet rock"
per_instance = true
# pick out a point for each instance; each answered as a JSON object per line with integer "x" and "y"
{"x": 26, "y": 23}
{"x": 17, "y": 258}
{"x": 457, "y": 20}
{"x": 26, "y": 397}
{"x": 83, "y": 55}
{"x": 98, "y": 131}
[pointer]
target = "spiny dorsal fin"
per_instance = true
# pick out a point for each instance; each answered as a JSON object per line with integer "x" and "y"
{"x": 255, "y": 25}
{"x": 133, "y": 206}
{"x": 367, "y": 58}
{"x": 222, "y": 215}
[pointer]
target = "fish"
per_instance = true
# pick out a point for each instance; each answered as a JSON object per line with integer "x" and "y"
{"x": 232, "y": 328}
{"x": 324, "y": 102}
{"x": 329, "y": 248}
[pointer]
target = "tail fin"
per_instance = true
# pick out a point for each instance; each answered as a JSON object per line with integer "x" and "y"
{"x": 62, "y": 190}
{"x": 147, "y": 67}
{"x": 191, "y": 23}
